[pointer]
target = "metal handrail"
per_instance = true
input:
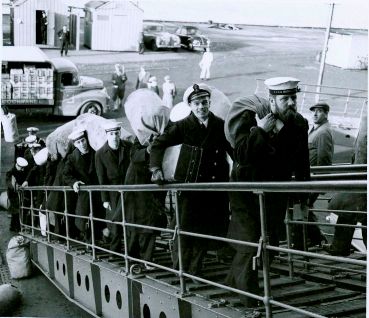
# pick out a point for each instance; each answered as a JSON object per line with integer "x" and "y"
{"x": 258, "y": 188}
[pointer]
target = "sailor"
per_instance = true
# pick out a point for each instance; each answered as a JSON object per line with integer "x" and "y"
{"x": 14, "y": 179}
{"x": 202, "y": 212}
{"x": 272, "y": 150}
{"x": 205, "y": 64}
{"x": 78, "y": 170}
{"x": 32, "y": 131}
{"x": 112, "y": 161}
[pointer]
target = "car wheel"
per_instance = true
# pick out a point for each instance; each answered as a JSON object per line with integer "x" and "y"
{"x": 175, "y": 49}
{"x": 154, "y": 47}
{"x": 190, "y": 46}
{"x": 91, "y": 108}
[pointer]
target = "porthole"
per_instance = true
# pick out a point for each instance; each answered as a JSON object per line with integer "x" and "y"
{"x": 118, "y": 298}
{"x": 107, "y": 293}
{"x": 78, "y": 279}
{"x": 146, "y": 311}
{"x": 87, "y": 283}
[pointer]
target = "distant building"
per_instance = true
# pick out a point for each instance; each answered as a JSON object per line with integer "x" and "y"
{"x": 25, "y": 21}
{"x": 112, "y": 25}
{"x": 348, "y": 50}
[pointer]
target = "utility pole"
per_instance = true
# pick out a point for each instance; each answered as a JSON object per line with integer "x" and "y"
{"x": 324, "y": 52}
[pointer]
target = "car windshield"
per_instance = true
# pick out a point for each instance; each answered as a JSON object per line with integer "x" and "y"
{"x": 191, "y": 31}
{"x": 154, "y": 28}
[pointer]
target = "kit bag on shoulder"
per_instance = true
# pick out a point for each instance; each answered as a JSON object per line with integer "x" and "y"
{"x": 9, "y": 123}
{"x": 18, "y": 257}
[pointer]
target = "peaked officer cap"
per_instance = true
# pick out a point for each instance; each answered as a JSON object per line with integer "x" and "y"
{"x": 77, "y": 134}
{"x": 196, "y": 91}
{"x": 322, "y": 105}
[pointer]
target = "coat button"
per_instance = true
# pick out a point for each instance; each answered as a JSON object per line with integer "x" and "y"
{"x": 215, "y": 163}
{"x": 216, "y": 151}
{"x": 213, "y": 177}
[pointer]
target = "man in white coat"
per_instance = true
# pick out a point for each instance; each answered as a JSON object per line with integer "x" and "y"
{"x": 205, "y": 63}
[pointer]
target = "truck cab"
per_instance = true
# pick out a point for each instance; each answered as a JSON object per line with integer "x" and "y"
{"x": 31, "y": 80}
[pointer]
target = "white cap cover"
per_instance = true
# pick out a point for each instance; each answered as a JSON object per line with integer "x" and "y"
{"x": 22, "y": 162}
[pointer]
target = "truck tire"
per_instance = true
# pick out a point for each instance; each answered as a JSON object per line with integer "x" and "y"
{"x": 92, "y": 108}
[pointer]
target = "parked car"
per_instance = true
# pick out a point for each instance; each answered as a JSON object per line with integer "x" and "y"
{"x": 156, "y": 37}
{"x": 191, "y": 38}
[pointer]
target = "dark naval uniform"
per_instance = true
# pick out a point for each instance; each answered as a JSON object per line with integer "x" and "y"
{"x": 262, "y": 156}
{"x": 80, "y": 167}
{"x": 202, "y": 212}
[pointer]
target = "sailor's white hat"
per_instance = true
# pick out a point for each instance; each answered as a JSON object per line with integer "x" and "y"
{"x": 77, "y": 134}
{"x": 32, "y": 129}
{"x": 30, "y": 139}
{"x": 21, "y": 162}
{"x": 282, "y": 85}
{"x": 112, "y": 125}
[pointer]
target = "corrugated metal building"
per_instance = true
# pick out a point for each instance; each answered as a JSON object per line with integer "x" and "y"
{"x": 112, "y": 25}
{"x": 26, "y": 25}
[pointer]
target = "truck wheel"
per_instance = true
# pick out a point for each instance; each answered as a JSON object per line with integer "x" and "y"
{"x": 91, "y": 108}
{"x": 154, "y": 47}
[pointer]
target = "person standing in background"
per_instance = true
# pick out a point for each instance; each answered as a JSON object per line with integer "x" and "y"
{"x": 142, "y": 78}
{"x": 64, "y": 37}
{"x": 44, "y": 24}
{"x": 205, "y": 64}
{"x": 169, "y": 92}
{"x": 119, "y": 79}
{"x": 141, "y": 44}
{"x": 152, "y": 84}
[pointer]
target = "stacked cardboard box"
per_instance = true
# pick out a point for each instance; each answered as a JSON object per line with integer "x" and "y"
{"x": 28, "y": 83}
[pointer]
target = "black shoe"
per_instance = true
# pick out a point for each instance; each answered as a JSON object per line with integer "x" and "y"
{"x": 331, "y": 250}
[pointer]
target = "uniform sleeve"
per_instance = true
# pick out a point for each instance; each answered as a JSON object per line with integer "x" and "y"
{"x": 171, "y": 136}
{"x": 324, "y": 149}
{"x": 101, "y": 175}
{"x": 302, "y": 172}
{"x": 139, "y": 153}
{"x": 68, "y": 171}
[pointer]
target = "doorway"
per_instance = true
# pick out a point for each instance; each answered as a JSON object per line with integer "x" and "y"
{"x": 41, "y": 27}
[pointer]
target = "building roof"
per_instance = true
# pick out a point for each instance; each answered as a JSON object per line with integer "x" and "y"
{"x": 23, "y": 54}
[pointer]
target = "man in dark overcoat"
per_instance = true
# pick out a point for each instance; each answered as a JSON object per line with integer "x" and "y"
{"x": 14, "y": 179}
{"x": 272, "y": 149}
{"x": 112, "y": 161}
{"x": 79, "y": 169}
{"x": 201, "y": 212}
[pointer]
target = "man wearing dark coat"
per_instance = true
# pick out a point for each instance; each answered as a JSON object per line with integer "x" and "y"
{"x": 79, "y": 169}
{"x": 14, "y": 179}
{"x": 112, "y": 161}
{"x": 272, "y": 150}
{"x": 201, "y": 212}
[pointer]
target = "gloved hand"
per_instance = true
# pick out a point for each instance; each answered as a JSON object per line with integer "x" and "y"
{"x": 157, "y": 176}
{"x": 267, "y": 123}
{"x": 76, "y": 185}
{"x": 106, "y": 205}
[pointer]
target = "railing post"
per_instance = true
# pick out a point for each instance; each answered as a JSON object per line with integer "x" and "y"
{"x": 347, "y": 102}
{"x": 124, "y": 233}
{"x": 32, "y": 221}
{"x": 288, "y": 234}
{"x": 178, "y": 229}
{"x": 66, "y": 219}
{"x": 47, "y": 219}
{"x": 91, "y": 218}
{"x": 265, "y": 258}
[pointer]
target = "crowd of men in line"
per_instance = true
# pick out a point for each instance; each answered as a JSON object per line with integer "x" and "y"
{"x": 267, "y": 139}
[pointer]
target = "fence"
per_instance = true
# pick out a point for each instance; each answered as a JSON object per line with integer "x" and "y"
{"x": 263, "y": 246}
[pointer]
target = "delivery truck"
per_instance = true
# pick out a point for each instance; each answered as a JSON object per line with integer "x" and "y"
{"x": 30, "y": 79}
